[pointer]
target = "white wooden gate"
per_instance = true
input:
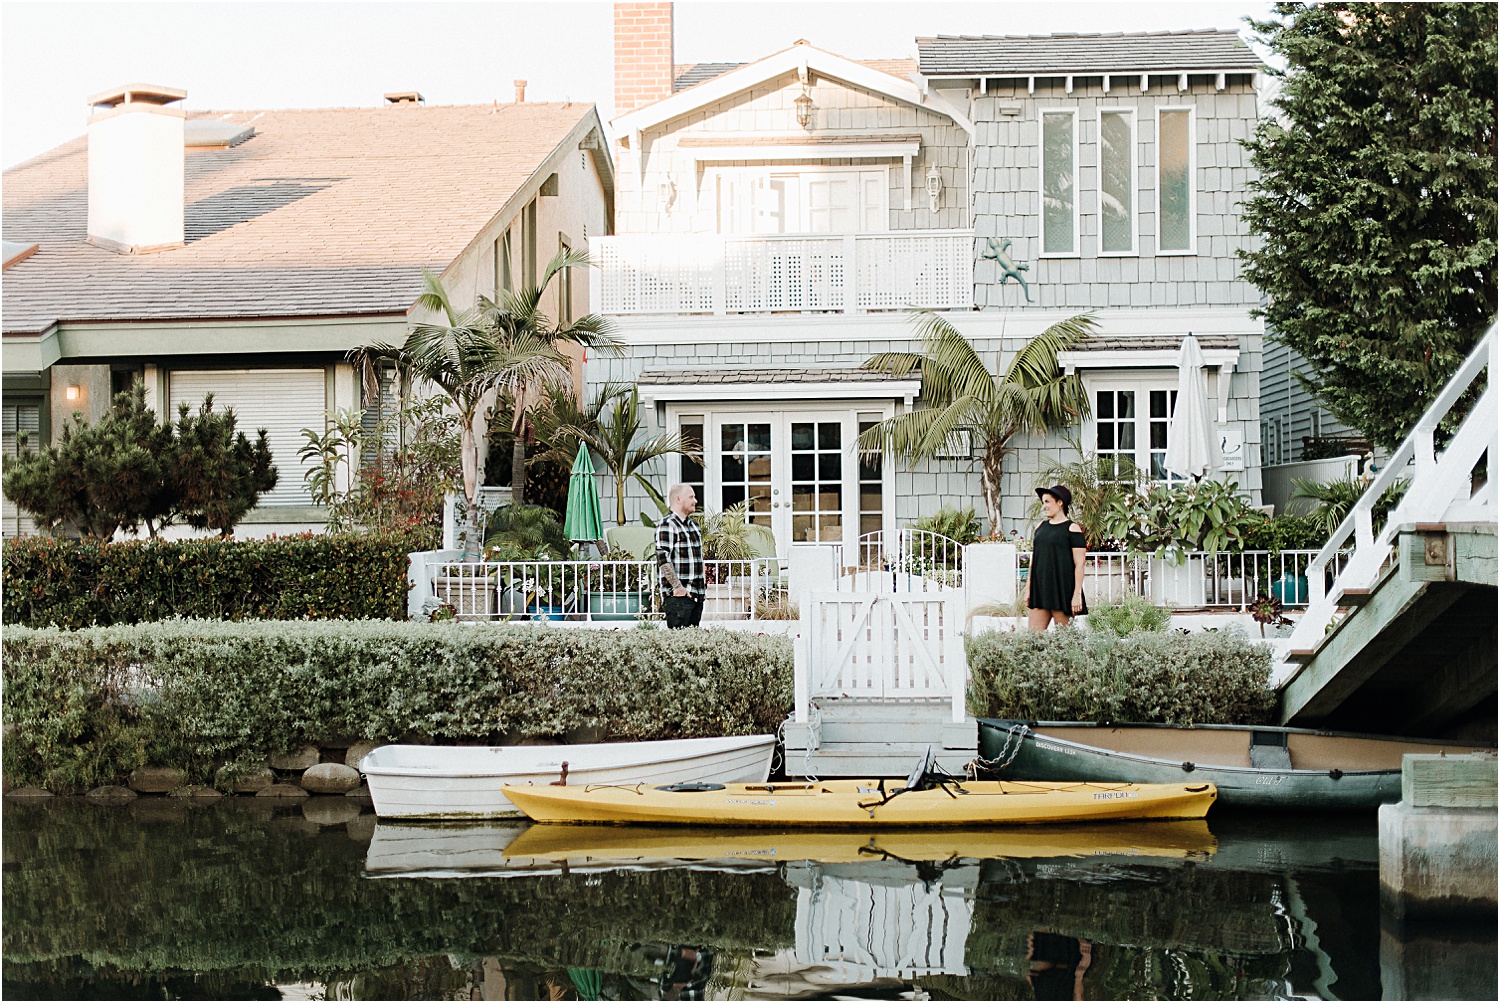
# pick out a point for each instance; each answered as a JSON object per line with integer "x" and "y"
{"x": 882, "y": 646}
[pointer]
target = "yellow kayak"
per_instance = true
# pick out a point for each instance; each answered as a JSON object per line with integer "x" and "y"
{"x": 862, "y": 803}
{"x": 581, "y": 844}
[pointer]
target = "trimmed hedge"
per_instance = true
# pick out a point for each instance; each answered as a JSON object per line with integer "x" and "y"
{"x": 1211, "y": 677}
{"x": 88, "y": 706}
{"x": 80, "y": 583}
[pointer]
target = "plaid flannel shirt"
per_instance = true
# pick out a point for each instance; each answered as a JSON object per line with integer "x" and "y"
{"x": 679, "y": 554}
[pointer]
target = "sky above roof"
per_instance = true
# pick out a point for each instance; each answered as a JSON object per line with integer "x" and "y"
{"x": 322, "y": 55}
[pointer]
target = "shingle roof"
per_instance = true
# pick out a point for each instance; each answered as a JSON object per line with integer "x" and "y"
{"x": 1037, "y": 55}
{"x": 1156, "y": 343}
{"x": 800, "y": 374}
{"x": 685, "y": 75}
{"x": 322, "y": 213}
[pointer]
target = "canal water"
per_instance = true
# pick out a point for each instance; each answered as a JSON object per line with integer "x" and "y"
{"x": 245, "y": 900}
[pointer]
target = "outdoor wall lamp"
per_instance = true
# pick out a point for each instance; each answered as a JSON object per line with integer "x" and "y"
{"x": 74, "y": 392}
{"x": 804, "y": 108}
{"x": 934, "y": 188}
{"x": 666, "y": 194}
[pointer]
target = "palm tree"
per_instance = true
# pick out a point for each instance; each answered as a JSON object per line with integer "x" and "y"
{"x": 473, "y": 355}
{"x": 462, "y": 360}
{"x": 527, "y": 339}
{"x": 1032, "y": 395}
{"x": 614, "y": 440}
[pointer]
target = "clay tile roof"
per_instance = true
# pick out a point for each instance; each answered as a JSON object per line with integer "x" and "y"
{"x": 1120, "y": 52}
{"x": 801, "y": 374}
{"x": 322, "y": 212}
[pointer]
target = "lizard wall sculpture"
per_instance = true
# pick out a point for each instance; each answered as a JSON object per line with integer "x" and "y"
{"x": 1009, "y": 268}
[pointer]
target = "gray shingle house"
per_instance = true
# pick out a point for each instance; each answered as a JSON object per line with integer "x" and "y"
{"x": 775, "y": 219}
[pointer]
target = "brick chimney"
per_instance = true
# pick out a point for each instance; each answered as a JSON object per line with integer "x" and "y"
{"x": 643, "y": 54}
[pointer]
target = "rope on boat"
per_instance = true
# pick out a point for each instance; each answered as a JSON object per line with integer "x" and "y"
{"x": 1015, "y": 737}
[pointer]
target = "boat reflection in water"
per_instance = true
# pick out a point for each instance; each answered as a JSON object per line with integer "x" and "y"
{"x": 233, "y": 900}
{"x": 1028, "y": 910}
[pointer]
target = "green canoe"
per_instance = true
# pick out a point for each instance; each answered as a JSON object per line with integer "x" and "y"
{"x": 1261, "y": 766}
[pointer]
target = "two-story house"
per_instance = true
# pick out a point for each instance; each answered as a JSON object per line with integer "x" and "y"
{"x": 243, "y": 253}
{"x": 776, "y": 219}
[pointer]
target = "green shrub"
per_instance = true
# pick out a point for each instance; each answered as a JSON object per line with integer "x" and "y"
{"x": 961, "y": 526}
{"x": 1071, "y": 675}
{"x": 88, "y": 706}
{"x": 79, "y": 583}
{"x": 1131, "y": 615}
{"x": 1276, "y": 533}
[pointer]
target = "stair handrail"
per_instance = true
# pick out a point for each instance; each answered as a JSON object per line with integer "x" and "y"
{"x": 1419, "y": 449}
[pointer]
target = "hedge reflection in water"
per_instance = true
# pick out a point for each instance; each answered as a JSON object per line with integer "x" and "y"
{"x": 227, "y": 900}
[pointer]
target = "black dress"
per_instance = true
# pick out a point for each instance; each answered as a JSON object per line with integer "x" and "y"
{"x": 1052, "y": 567}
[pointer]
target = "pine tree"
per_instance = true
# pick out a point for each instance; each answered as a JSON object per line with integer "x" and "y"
{"x": 216, "y": 474}
{"x": 1376, "y": 200}
{"x": 99, "y": 478}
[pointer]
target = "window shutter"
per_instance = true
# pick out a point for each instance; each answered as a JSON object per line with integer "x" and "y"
{"x": 282, "y": 401}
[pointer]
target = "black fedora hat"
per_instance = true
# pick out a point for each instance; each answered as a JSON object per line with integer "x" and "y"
{"x": 1059, "y": 492}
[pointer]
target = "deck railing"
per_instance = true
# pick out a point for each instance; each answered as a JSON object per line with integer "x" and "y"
{"x": 1439, "y": 481}
{"x": 1215, "y": 580}
{"x": 524, "y": 591}
{"x": 841, "y": 273}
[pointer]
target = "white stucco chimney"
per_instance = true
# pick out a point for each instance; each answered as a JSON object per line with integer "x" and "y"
{"x": 136, "y": 169}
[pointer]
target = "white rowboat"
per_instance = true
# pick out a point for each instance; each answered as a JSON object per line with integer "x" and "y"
{"x": 464, "y": 782}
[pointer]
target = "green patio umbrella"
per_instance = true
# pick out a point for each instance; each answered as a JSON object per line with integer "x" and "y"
{"x": 584, "y": 520}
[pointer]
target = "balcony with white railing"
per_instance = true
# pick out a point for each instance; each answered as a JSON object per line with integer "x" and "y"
{"x": 782, "y": 273}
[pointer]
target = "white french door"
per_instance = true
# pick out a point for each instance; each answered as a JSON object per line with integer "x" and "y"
{"x": 800, "y": 471}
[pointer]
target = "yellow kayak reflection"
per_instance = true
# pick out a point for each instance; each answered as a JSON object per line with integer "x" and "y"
{"x": 625, "y": 844}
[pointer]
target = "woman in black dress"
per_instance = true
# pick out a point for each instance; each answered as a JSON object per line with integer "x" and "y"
{"x": 1054, "y": 587}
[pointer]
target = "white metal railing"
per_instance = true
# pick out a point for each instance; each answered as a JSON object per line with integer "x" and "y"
{"x": 845, "y": 273}
{"x": 1437, "y": 481}
{"x": 1217, "y": 580}
{"x": 585, "y": 591}
{"x": 912, "y": 560}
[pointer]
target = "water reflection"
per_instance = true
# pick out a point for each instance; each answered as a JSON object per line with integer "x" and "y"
{"x": 247, "y": 901}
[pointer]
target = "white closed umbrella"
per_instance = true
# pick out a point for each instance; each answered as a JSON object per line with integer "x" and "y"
{"x": 1193, "y": 441}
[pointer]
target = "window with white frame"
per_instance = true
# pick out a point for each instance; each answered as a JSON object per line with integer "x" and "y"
{"x": 1132, "y": 419}
{"x": 813, "y": 200}
{"x": 1175, "y": 168}
{"x": 1059, "y": 169}
{"x": 1117, "y": 182}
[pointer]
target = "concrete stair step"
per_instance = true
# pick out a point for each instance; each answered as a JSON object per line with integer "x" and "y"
{"x": 865, "y": 759}
{"x": 939, "y": 734}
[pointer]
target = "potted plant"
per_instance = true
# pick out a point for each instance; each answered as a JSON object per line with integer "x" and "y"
{"x": 616, "y": 585}
{"x": 470, "y": 589}
{"x": 726, "y": 538}
{"x": 1175, "y": 526}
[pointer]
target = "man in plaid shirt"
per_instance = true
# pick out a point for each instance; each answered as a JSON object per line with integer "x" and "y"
{"x": 679, "y": 559}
